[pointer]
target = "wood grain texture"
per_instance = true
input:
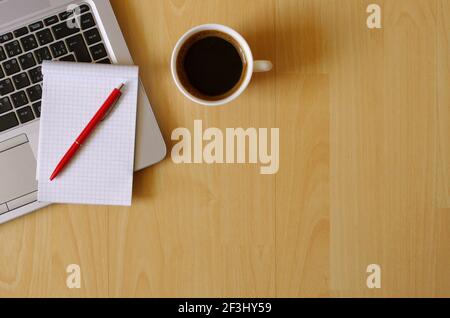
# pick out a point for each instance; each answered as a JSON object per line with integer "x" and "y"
{"x": 383, "y": 152}
{"x": 303, "y": 228}
{"x": 36, "y": 250}
{"x": 364, "y": 166}
{"x": 213, "y": 232}
{"x": 443, "y": 69}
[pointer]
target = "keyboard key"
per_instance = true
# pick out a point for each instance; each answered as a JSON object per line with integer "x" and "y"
{"x": 2, "y": 54}
{"x": 68, "y": 58}
{"x": 68, "y": 14}
{"x": 13, "y": 48}
{"x": 35, "y": 75}
{"x": 37, "y": 109}
{"x": 62, "y": 30}
{"x": 65, "y": 15}
{"x": 27, "y": 61}
{"x": 44, "y": 37}
{"x": 34, "y": 93}
{"x": 25, "y": 114}
{"x": 58, "y": 49}
{"x": 92, "y": 36}
{"x": 78, "y": 47}
{"x": 50, "y": 21}
{"x": 19, "y": 99}
{"x": 11, "y": 67}
{"x": 84, "y": 8}
{"x": 87, "y": 21}
{"x": 5, "y": 105}
{"x": 8, "y": 121}
{"x": 29, "y": 42}
{"x": 1, "y": 73}
{"x": 21, "y": 80}
{"x": 6, "y": 86}
{"x": 98, "y": 51}
{"x": 36, "y": 26}
{"x": 104, "y": 61}
{"x": 42, "y": 54}
{"x": 6, "y": 37}
{"x": 20, "y": 32}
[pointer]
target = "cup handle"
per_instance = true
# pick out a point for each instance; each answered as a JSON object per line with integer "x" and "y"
{"x": 262, "y": 66}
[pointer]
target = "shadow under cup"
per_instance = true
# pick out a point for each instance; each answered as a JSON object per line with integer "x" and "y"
{"x": 211, "y": 65}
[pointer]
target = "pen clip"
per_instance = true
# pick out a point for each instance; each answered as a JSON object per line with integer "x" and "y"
{"x": 115, "y": 103}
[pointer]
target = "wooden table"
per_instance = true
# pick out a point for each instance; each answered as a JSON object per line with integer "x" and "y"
{"x": 364, "y": 171}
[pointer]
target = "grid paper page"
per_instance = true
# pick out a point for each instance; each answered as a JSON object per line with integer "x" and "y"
{"x": 102, "y": 170}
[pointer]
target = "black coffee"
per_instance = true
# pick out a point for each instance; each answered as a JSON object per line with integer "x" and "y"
{"x": 211, "y": 65}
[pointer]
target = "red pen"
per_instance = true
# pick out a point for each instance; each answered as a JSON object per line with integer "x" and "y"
{"x": 98, "y": 117}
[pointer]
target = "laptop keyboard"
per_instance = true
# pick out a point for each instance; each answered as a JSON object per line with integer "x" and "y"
{"x": 23, "y": 50}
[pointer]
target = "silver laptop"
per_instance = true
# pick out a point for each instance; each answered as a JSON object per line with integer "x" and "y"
{"x": 33, "y": 31}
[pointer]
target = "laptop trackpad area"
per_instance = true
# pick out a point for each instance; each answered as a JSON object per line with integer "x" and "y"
{"x": 18, "y": 185}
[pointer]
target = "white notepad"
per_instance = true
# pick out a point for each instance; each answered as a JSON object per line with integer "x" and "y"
{"x": 102, "y": 170}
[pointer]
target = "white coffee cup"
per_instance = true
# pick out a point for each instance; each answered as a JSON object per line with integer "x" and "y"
{"x": 252, "y": 65}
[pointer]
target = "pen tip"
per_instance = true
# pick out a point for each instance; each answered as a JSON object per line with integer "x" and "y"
{"x": 121, "y": 86}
